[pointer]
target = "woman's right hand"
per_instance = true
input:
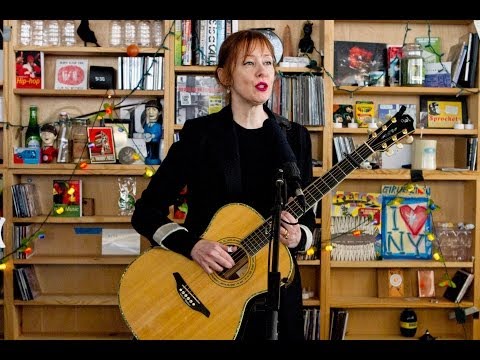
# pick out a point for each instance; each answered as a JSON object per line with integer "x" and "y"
{"x": 212, "y": 256}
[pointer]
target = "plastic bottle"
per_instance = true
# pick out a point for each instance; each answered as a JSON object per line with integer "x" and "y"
{"x": 32, "y": 135}
{"x": 52, "y": 30}
{"x": 116, "y": 33}
{"x": 68, "y": 33}
{"x": 64, "y": 142}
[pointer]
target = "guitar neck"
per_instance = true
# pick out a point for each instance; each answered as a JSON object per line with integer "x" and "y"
{"x": 321, "y": 186}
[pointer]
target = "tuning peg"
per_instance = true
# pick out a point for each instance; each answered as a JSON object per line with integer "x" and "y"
{"x": 399, "y": 146}
{"x": 409, "y": 139}
{"x": 389, "y": 152}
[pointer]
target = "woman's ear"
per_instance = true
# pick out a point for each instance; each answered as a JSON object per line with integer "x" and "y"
{"x": 221, "y": 75}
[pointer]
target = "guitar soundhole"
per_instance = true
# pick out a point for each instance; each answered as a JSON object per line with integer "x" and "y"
{"x": 239, "y": 269}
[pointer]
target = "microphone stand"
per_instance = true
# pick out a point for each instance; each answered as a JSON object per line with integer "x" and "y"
{"x": 273, "y": 297}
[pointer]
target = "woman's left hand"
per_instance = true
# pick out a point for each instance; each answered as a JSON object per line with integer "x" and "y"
{"x": 290, "y": 235}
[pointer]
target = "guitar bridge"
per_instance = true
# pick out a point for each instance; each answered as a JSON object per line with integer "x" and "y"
{"x": 188, "y": 297}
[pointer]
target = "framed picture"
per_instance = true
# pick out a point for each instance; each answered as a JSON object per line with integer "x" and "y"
{"x": 121, "y": 133}
{"x": 101, "y": 144}
{"x": 406, "y": 222}
{"x": 442, "y": 111}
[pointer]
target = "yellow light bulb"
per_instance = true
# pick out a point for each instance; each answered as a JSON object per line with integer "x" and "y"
{"x": 71, "y": 191}
{"x": 310, "y": 251}
{"x": 148, "y": 172}
{"x": 60, "y": 210}
{"x": 436, "y": 256}
{"x": 431, "y": 236}
{"x": 329, "y": 247}
{"x": 3, "y": 266}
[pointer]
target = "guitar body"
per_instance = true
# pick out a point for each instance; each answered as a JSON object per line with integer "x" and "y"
{"x": 165, "y": 296}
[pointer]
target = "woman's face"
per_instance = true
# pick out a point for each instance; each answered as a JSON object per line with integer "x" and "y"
{"x": 253, "y": 77}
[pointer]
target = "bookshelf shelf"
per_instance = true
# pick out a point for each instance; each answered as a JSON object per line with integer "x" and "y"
{"x": 75, "y": 220}
{"x": 86, "y": 93}
{"x": 77, "y": 260}
{"x": 402, "y": 91}
{"x": 353, "y": 302}
{"x": 71, "y": 300}
{"x": 400, "y": 264}
{"x": 85, "y": 50}
{"x": 439, "y": 132}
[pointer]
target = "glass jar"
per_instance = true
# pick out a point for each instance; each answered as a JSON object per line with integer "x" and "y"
{"x": 79, "y": 140}
{"x": 412, "y": 72}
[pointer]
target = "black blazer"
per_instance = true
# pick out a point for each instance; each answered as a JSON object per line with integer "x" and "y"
{"x": 206, "y": 159}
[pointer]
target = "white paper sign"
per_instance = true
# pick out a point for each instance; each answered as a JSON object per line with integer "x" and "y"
{"x": 120, "y": 242}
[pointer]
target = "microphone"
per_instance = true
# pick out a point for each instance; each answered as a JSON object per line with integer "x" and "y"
{"x": 292, "y": 175}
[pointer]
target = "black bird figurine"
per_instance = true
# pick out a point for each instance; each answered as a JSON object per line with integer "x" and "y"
{"x": 86, "y": 34}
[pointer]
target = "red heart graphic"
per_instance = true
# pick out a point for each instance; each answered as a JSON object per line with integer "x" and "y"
{"x": 414, "y": 219}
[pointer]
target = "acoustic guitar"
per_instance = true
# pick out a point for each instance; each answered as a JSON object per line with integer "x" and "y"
{"x": 164, "y": 295}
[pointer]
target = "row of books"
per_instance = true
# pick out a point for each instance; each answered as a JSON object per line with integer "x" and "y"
{"x": 25, "y": 200}
{"x": 299, "y": 98}
{"x": 26, "y": 284}
{"x": 141, "y": 73}
{"x": 311, "y": 323}
{"x": 472, "y": 145}
{"x": 67, "y": 200}
{"x": 365, "y": 112}
{"x": 338, "y": 323}
{"x": 197, "y": 42}
{"x": 343, "y": 145}
{"x": 20, "y": 234}
{"x": 464, "y": 57}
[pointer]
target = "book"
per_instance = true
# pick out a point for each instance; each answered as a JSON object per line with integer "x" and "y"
{"x": 456, "y": 55}
{"x": 354, "y": 61}
{"x": 438, "y": 74}
{"x": 71, "y": 74}
{"x": 197, "y": 95}
{"x": 29, "y": 67}
{"x": 444, "y": 114}
{"x": 394, "y": 54}
{"x": 343, "y": 113}
{"x": 430, "y": 117}
{"x": 462, "y": 280}
{"x": 103, "y": 145}
{"x": 426, "y": 283}
{"x": 386, "y": 111}
{"x": 67, "y": 198}
{"x": 31, "y": 280}
{"x": 431, "y": 48}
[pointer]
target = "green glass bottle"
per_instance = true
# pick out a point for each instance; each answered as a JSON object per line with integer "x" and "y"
{"x": 32, "y": 135}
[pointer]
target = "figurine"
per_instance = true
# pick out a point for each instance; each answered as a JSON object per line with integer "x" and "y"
{"x": 86, "y": 34}
{"x": 153, "y": 132}
{"x": 306, "y": 44}
{"x": 48, "y": 134}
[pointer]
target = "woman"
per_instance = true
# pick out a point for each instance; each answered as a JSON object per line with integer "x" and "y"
{"x": 232, "y": 157}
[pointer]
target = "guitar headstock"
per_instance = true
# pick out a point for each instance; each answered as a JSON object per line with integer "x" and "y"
{"x": 397, "y": 128}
